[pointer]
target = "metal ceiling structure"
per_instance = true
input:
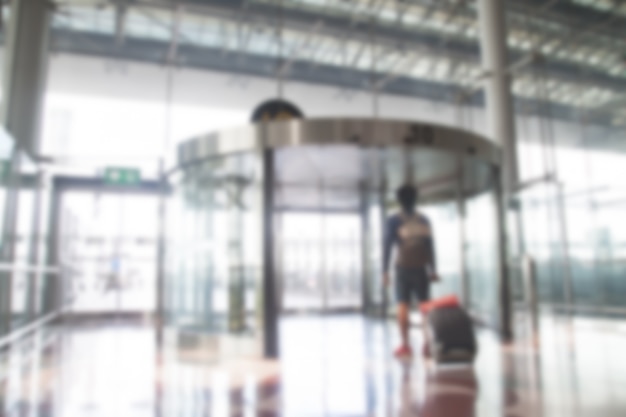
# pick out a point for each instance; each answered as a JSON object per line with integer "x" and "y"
{"x": 567, "y": 57}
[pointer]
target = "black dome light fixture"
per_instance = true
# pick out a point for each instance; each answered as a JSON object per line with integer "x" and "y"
{"x": 276, "y": 109}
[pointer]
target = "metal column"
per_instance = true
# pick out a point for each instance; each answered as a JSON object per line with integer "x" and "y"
{"x": 366, "y": 287}
{"x": 25, "y": 70}
{"x": 237, "y": 272}
{"x": 505, "y": 324}
{"x": 463, "y": 275}
{"x": 498, "y": 96}
{"x": 8, "y": 241}
{"x": 501, "y": 121}
{"x": 270, "y": 307}
{"x": 37, "y": 277}
{"x": 53, "y": 296}
{"x": 161, "y": 253}
{"x": 529, "y": 273}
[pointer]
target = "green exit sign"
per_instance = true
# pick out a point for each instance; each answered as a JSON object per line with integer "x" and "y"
{"x": 122, "y": 176}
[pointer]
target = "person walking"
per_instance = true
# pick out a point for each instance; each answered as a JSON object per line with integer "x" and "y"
{"x": 411, "y": 233}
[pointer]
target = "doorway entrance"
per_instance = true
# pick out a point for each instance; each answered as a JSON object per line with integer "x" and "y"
{"x": 108, "y": 242}
{"x": 320, "y": 261}
{"x": 318, "y": 193}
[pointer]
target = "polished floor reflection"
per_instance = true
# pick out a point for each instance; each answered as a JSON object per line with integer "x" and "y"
{"x": 331, "y": 366}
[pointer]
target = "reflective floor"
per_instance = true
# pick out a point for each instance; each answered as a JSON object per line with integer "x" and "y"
{"x": 332, "y": 366}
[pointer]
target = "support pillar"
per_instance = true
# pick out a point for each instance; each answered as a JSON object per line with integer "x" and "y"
{"x": 237, "y": 271}
{"x": 25, "y": 71}
{"x": 53, "y": 297}
{"x": 501, "y": 124}
{"x": 498, "y": 96}
{"x": 382, "y": 195}
{"x": 504, "y": 320}
{"x": 37, "y": 278}
{"x": 461, "y": 211}
{"x": 161, "y": 253}
{"x": 8, "y": 240}
{"x": 365, "y": 284}
{"x": 270, "y": 308}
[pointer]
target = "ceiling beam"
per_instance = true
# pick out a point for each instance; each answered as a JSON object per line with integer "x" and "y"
{"x": 571, "y": 14}
{"x": 302, "y": 46}
{"x": 153, "y": 51}
{"x": 120, "y": 23}
{"x": 390, "y": 36}
{"x": 172, "y": 51}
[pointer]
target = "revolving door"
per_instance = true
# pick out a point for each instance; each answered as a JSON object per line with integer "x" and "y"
{"x": 287, "y": 216}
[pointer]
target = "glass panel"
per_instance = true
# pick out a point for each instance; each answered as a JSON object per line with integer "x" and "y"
{"x": 481, "y": 257}
{"x": 42, "y": 248}
{"x": 374, "y": 210}
{"x": 138, "y": 252}
{"x": 321, "y": 260}
{"x": 109, "y": 241}
{"x": 571, "y": 223}
{"x": 318, "y": 198}
{"x": 446, "y": 228}
{"x": 303, "y": 268}
{"x": 22, "y": 282}
{"x": 373, "y": 251}
{"x": 318, "y": 177}
{"x": 8, "y": 193}
{"x": 596, "y": 233}
{"x": 342, "y": 245}
{"x": 542, "y": 238}
{"x": 436, "y": 174}
{"x": 214, "y": 253}
{"x": 343, "y": 260}
{"x": 17, "y": 175}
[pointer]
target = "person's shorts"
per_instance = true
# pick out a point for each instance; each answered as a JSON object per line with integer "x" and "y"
{"x": 412, "y": 283}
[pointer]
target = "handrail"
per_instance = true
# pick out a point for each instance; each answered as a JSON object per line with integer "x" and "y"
{"x": 16, "y": 267}
{"x": 22, "y": 331}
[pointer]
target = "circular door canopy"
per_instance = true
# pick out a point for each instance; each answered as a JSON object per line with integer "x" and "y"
{"x": 328, "y": 163}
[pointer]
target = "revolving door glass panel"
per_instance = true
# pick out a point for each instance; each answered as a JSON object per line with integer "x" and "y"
{"x": 317, "y": 202}
{"x": 213, "y": 253}
{"x": 333, "y": 201}
{"x": 320, "y": 261}
{"x": 453, "y": 191}
{"x": 312, "y": 230}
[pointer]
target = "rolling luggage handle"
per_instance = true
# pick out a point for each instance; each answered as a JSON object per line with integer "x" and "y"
{"x": 448, "y": 301}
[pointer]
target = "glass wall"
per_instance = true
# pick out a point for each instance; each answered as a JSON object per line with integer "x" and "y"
{"x": 448, "y": 184}
{"x": 329, "y": 206}
{"x": 109, "y": 239}
{"x": 320, "y": 260}
{"x": 24, "y": 211}
{"x": 22, "y": 279}
{"x": 214, "y": 253}
{"x": 318, "y": 205}
{"x": 571, "y": 214}
{"x": 481, "y": 257}
{"x": 446, "y": 225}
{"x": 7, "y": 193}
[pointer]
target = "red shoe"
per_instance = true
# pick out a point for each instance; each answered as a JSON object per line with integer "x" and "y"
{"x": 403, "y": 352}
